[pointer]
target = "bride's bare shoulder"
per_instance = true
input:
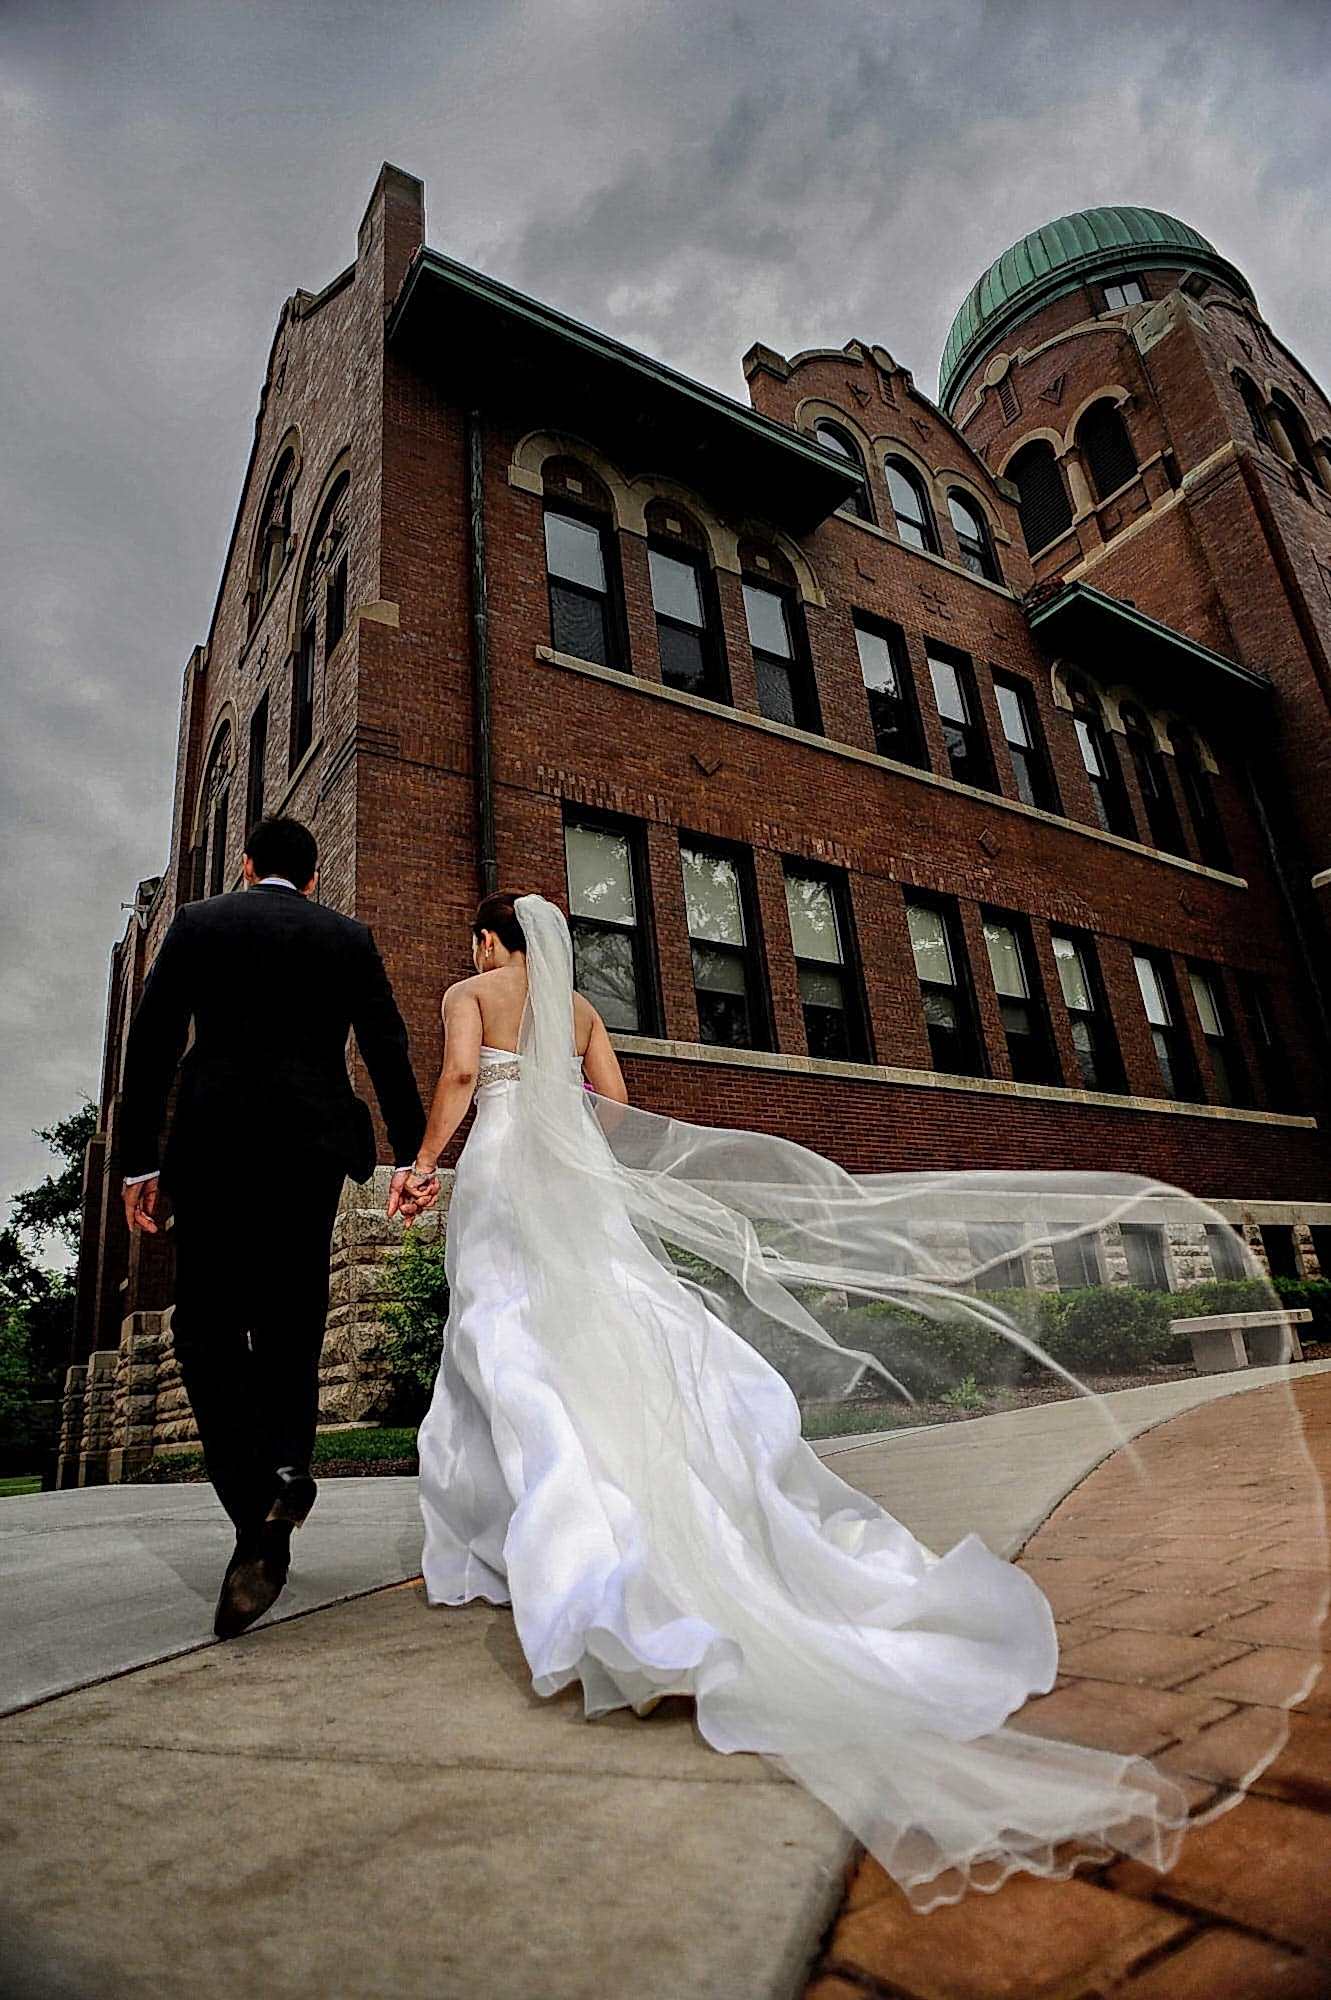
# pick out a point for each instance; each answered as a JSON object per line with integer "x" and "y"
{"x": 461, "y": 993}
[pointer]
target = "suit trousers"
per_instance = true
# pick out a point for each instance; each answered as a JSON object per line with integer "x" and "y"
{"x": 248, "y": 1326}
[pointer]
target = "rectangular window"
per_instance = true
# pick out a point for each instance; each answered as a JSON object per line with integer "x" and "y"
{"x": 820, "y": 936}
{"x": 606, "y": 902}
{"x": 1093, "y": 1038}
{"x": 1127, "y": 292}
{"x": 1272, "y": 1055}
{"x": 718, "y": 899}
{"x": 949, "y": 1004}
{"x": 1172, "y": 1049}
{"x": 1228, "y": 1258}
{"x": 786, "y": 692}
{"x": 1144, "y": 1248}
{"x": 958, "y": 711}
{"x": 302, "y": 692}
{"x": 335, "y": 613}
{"x": 1020, "y": 1001}
{"x": 1281, "y": 1255}
{"x": 1226, "y": 1058}
{"x": 887, "y": 680}
{"x": 583, "y": 606}
{"x": 1077, "y": 1261}
{"x": 1025, "y": 742}
{"x": 1108, "y": 793}
{"x": 996, "y": 1248}
{"x": 687, "y": 633}
{"x": 255, "y": 771}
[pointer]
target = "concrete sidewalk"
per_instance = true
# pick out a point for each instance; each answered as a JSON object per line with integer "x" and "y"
{"x": 370, "y": 1800}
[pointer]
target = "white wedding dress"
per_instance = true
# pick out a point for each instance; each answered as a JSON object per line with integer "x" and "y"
{"x": 605, "y": 1453}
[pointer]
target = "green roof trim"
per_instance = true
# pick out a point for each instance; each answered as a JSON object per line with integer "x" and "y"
{"x": 1094, "y": 629}
{"x": 520, "y": 352}
{"x": 1052, "y": 260}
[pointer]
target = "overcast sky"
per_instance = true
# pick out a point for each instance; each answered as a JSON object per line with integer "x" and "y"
{"x": 689, "y": 175}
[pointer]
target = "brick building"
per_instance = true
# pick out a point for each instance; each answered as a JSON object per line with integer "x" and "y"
{"x": 939, "y": 784}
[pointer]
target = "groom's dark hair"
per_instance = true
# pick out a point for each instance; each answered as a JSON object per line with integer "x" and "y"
{"x": 283, "y": 847}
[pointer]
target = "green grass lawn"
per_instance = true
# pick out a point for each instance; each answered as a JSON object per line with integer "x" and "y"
{"x": 381, "y": 1449}
{"x": 23, "y": 1482}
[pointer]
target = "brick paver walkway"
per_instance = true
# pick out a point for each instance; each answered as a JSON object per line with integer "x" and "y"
{"x": 1179, "y": 1640}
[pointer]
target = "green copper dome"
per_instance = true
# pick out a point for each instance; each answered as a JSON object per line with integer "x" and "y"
{"x": 1058, "y": 258}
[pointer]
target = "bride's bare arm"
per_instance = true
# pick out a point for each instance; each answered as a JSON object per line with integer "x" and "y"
{"x": 600, "y": 1064}
{"x": 457, "y": 1076}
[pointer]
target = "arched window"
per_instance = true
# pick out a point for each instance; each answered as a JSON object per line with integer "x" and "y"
{"x": 1107, "y": 449}
{"x": 1153, "y": 779}
{"x": 214, "y": 817}
{"x": 689, "y": 635}
{"x": 582, "y": 566}
{"x": 323, "y": 588}
{"x": 1100, "y": 758}
{"x": 787, "y": 691}
{"x": 273, "y": 541}
{"x": 910, "y": 504}
{"x": 1200, "y": 796}
{"x": 1253, "y": 404}
{"x": 833, "y": 438}
{"x": 1296, "y": 430}
{"x": 973, "y": 537}
{"x": 1046, "y": 511}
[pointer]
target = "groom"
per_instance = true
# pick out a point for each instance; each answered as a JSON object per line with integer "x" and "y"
{"x": 266, "y": 1126}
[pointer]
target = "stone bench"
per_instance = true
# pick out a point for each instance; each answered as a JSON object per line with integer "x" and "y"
{"x": 1236, "y": 1340}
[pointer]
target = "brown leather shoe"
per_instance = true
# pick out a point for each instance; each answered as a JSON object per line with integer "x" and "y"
{"x": 252, "y": 1585}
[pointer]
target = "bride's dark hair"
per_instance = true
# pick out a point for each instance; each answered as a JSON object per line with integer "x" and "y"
{"x": 496, "y": 913}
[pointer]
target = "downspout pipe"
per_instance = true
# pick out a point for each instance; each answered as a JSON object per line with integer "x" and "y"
{"x": 480, "y": 656}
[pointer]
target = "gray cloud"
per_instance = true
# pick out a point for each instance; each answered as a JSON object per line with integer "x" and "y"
{"x": 690, "y": 178}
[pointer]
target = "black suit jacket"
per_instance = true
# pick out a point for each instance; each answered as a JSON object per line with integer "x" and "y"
{"x": 273, "y": 984}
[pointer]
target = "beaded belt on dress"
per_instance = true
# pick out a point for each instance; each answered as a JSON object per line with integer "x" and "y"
{"x": 506, "y": 1072}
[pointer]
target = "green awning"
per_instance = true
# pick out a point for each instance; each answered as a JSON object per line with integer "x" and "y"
{"x": 1115, "y": 641}
{"x": 532, "y": 366}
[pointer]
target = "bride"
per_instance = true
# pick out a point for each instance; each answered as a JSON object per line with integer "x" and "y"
{"x": 614, "y": 1443}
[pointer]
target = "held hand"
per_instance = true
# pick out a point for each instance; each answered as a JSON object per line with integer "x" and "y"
{"x": 141, "y": 1206}
{"x": 411, "y": 1194}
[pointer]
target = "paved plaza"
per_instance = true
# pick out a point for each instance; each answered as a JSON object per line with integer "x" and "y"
{"x": 363, "y": 1796}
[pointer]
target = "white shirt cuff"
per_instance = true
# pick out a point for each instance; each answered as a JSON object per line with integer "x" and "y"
{"x": 132, "y": 1180}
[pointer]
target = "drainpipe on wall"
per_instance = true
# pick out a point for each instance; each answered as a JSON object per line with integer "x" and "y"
{"x": 480, "y": 655}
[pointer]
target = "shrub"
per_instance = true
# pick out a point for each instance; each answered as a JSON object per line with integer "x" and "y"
{"x": 413, "y": 1307}
{"x": 1315, "y": 1294}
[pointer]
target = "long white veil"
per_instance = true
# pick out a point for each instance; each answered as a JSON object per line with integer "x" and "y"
{"x": 812, "y": 1626}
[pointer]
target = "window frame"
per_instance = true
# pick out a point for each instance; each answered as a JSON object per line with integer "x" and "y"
{"x": 962, "y": 987}
{"x": 641, "y": 932}
{"x": 751, "y": 954}
{"x": 855, "y": 1010}
{"x": 1121, "y": 285}
{"x": 1176, "y": 1059}
{"x": 1151, "y": 1235}
{"x": 1208, "y": 827}
{"x": 797, "y": 667}
{"x": 1035, "y": 753}
{"x": 1110, "y": 451}
{"x": 1108, "y": 788}
{"x": 860, "y": 504}
{"x": 1111, "y": 1077}
{"x": 978, "y": 553}
{"x": 916, "y": 753}
{"x": 614, "y": 624}
{"x": 1273, "y": 1063}
{"x": 1040, "y": 1056}
{"x": 974, "y": 731}
{"x": 926, "y": 527}
{"x": 715, "y": 684}
{"x": 1229, "y": 1071}
{"x": 335, "y": 601}
{"x": 1157, "y": 795}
